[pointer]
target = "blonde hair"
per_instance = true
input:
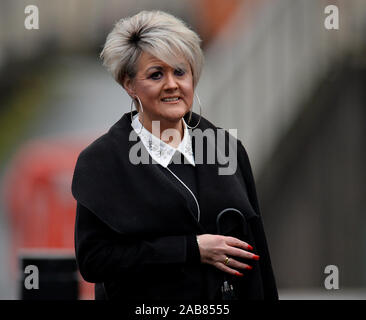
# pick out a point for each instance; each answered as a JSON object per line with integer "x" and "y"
{"x": 158, "y": 33}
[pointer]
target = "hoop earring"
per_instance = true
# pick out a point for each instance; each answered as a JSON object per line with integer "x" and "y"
{"x": 190, "y": 113}
{"x": 142, "y": 111}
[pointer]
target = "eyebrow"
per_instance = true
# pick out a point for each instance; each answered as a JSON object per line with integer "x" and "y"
{"x": 180, "y": 66}
{"x": 155, "y": 67}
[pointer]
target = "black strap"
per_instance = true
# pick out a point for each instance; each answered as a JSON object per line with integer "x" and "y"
{"x": 227, "y": 288}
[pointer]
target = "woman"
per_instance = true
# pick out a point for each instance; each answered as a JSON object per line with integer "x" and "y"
{"x": 149, "y": 195}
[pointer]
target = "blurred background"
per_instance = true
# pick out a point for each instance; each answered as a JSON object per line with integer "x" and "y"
{"x": 294, "y": 90}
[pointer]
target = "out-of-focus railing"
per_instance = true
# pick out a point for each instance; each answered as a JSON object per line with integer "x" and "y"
{"x": 263, "y": 65}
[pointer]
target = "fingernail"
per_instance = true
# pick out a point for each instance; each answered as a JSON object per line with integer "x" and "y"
{"x": 238, "y": 274}
{"x": 255, "y": 257}
{"x": 250, "y": 247}
{"x": 249, "y": 267}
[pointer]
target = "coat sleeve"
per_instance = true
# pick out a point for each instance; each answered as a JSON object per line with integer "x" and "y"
{"x": 270, "y": 288}
{"x": 103, "y": 254}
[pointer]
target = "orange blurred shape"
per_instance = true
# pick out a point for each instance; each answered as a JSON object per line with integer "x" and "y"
{"x": 38, "y": 197}
{"x": 213, "y": 16}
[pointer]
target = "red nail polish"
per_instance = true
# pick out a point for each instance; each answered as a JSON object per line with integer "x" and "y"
{"x": 250, "y": 247}
{"x": 238, "y": 274}
{"x": 255, "y": 257}
{"x": 249, "y": 267}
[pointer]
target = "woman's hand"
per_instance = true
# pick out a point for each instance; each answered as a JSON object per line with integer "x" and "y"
{"x": 214, "y": 249}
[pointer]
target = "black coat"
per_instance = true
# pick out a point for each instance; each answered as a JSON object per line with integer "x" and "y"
{"x": 136, "y": 229}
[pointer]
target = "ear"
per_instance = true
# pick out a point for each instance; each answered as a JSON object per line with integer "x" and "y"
{"x": 127, "y": 84}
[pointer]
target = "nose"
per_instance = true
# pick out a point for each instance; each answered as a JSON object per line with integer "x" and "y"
{"x": 171, "y": 83}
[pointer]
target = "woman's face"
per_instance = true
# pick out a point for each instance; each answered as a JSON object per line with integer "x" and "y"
{"x": 155, "y": 82}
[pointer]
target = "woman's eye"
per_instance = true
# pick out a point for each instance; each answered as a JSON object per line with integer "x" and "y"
{"x": 156, "y": 75}
{"x": 179, "y": 72}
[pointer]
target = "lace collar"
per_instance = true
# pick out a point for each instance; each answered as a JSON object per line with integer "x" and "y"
{"x": 161, "y": 152}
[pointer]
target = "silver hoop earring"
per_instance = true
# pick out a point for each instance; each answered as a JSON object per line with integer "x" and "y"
{"x": 190, "y": 113}
{"x": 142, "y": 111}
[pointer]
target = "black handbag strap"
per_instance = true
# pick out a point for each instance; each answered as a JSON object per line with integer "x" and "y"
{"x": 225, "y": 212}
{"x": 228, "y": 292}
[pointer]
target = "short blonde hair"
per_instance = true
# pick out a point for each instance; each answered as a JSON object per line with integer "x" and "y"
{"x": 158, "y": 33}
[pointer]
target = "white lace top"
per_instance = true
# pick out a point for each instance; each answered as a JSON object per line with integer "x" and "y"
{"x": 160, "y": 151}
